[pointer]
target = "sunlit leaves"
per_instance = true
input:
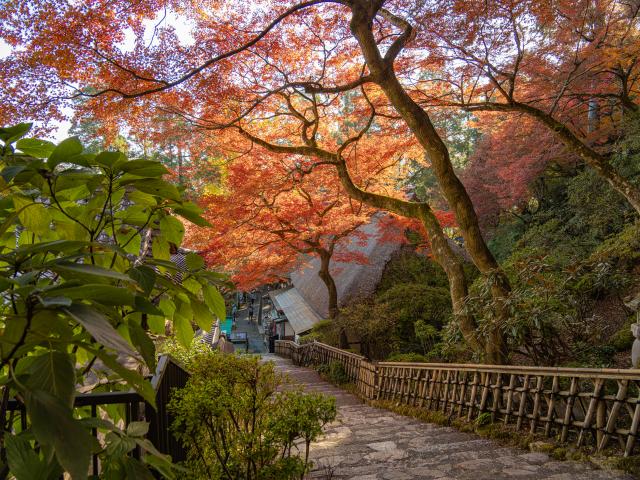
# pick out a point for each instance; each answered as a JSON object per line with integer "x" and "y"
{"x": 81, "y": 292}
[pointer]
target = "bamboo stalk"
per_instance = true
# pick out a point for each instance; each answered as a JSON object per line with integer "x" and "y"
{"x": 536, "y": 405}
{"x": 497, "y": 394}
{"x": 485, "y": 392}
{"x": 523, "y": 401}
{"x": 463, "y": 391}
{"x": 510, "y": 388}
{"x": 568, "y": 412}
{"x": 472, "y": 400}
{"x": 633, "y": 431}
{"x": 552, "y": 405}
{"x": 613, "y": 416}
{"x": 593, "y": 405}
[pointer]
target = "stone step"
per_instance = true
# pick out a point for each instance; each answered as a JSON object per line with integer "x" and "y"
{"x": 367, "y": 443}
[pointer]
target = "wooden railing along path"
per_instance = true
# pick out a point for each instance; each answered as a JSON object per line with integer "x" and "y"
{"x": 585, "y": 406}
{"x": 169, "y": 375}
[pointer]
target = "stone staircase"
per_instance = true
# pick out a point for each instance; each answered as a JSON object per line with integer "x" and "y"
{"x": 367, "y": 443}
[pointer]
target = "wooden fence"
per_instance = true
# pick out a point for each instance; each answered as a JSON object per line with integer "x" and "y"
{"x": 586, "y": 406}
{"x": 169, "y": 375}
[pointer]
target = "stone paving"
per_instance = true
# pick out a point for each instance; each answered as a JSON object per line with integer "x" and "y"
{"x": 367, "y": 443}
{"x": 243, "y": 324}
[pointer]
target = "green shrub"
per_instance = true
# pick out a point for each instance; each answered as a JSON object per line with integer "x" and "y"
{"x": 623, "y": 339}
{"x": 184, "y": 355}
{"x": 409, "y": 267}
{"x": 407, "y": 357}
{"x": 236, "y": 421}
{"x": 334, "y": 372}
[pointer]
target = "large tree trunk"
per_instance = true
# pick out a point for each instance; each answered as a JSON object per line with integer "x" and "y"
{"x": 418, "y": 120}
{"x": 325, "y": 275}
{"x": 443, "y": 254}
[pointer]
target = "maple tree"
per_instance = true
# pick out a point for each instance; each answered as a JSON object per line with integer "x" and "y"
{"x": 572, "y": 66}
{"x": 268, "y": 217}
{"x": 512, "y": 153}
{"x": 347, "y": 84}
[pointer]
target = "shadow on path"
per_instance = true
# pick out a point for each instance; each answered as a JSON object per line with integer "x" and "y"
{"x": 367, "y": 443}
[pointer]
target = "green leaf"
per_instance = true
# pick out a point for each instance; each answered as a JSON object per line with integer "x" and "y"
{"x": 143, "y": 305}
{"x": 104, "y": 294}
{"x": 168, "y": 307}
{"x": 64, "y": 151}
{"x": 214, "y": 301}
{"x": 183, "y": 329}
{"x": 5, "y": 284}
{"x": 193, "y": 285}
{"x": 10, "y": 134}
{"x": 24, "y": 462}
{"x": 49, "y": 302}
{"x": 194, "y": 261}
{"x": 56, "y": 246}
{"x": 172, "y": 229}
{"x": 9, "y": 173}
{"x": 191, "y": 212}
{"x": 33, "y": 216}
{"x": 109, "y": 159}
{"x": 53, "y": 425}
{"x": 131, "y": 239}
{"x": 143, "y": 343}
{"x": 160, "y": 249}
{"x": 54, "y": 373}
{"x": 156, "y": 324}
{"x": 141, "y": 198}
{"x": 202, "y": 315}
{"x": 63, "y": 267}
{"x": 137, "y": 429}
{"x": 82, "y": 159}
{"x": 133, "y": 378}
{"x": 162, "y": 463}
{"x": 36, "y": 147}
{"x": 156, "y": 187}
{"x": 145, "y": 277}
{"x": 145, "y": 168}
{"x": 100, "y": 328}
{"x": 71, "y": 179}
{"x": 134, "y": 469}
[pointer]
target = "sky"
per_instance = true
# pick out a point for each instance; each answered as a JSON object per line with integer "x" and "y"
{"x": 183, "y": 31}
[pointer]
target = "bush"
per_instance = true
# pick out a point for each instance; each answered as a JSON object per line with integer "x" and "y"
{"x": 236, "y": 421}
{"x": 407, "y": 357}
{"x": 186, "y": 356}
{"x": 334, "y": 372}
{"x": 623, "y": 339}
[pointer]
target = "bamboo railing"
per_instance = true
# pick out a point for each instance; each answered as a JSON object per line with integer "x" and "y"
{"x": 586, "y": 406}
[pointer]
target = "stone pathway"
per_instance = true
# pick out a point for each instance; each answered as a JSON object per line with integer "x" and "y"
{"x": 243, "y": 324}
{"x": 367, "y": 443}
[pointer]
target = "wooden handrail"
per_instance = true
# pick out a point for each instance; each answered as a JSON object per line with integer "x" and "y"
{"x": 604, "y": 373}
{"x": 169, "y": 375}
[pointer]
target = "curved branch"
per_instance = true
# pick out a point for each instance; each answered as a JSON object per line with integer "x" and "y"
{"x": 167, "y": 85}
{"x": 408, "y": 34}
